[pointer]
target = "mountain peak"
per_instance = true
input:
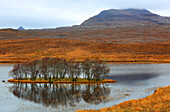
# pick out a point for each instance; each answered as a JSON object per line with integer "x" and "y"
{"x": 124, "y": 12}
{"x": 134, "y": 9}
{"x": 21, "y": 28}
{"x": 138, "y": 11}
{"x": 125, "y": 17}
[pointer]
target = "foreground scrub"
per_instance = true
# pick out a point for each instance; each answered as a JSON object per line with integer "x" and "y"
{"x": 157, "y": 102}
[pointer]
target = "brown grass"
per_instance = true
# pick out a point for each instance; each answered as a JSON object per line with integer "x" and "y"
{"x": 133, "y": 34}
{"x": 65, "y": 81}
{"x": 146, "y": 44}
{"x": 157, "y": 102}
{"x": 22, "y": 50}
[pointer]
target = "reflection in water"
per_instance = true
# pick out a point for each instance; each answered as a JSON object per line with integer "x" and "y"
{"x": 133, "y": 77}
{"x": 119, "y": 92}
{"x": 61, "y": 94}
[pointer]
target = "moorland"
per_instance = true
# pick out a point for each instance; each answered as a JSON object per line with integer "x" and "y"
{"x": 125, "y": 44}
{"x": 131, "y": 36}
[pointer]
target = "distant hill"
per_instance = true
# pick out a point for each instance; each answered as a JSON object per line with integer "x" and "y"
{"x": 126, "y": 17}
{"x": 21, "y": 28}
{"x": 110, "y": 26}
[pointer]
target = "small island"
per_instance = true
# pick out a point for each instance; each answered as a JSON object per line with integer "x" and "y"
{"x": 59, "y": 70}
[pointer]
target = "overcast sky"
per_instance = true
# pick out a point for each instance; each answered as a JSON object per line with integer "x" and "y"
{"x": 56, "y": 13}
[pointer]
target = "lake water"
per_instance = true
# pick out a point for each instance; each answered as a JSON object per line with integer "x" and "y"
{"x": 135, "y": 81}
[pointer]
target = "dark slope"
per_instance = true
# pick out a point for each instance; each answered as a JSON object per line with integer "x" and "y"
{"x": 114, "y": 17}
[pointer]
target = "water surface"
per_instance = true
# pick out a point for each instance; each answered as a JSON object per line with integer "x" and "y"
{"x": 134, "y": 81}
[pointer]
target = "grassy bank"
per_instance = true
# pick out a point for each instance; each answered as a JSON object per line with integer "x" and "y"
{"x": 157, "y": 102}
{"x": 64, "y": 80}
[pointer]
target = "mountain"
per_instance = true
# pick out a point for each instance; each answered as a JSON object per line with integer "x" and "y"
{"x": 21, "y": 28}
{"x": 126, "y": 17}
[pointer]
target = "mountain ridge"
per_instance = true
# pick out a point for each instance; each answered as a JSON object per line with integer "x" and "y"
{"x": 126, "y": 17}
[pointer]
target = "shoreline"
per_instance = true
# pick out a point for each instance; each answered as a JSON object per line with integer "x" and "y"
{"x": 158, "y": 101}
{"x": 114, "y": 61}
{"x": 63, "y": 82}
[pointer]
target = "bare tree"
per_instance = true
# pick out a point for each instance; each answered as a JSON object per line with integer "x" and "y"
{"x": 87, "y": 66}
{"x": 55, "y": 68}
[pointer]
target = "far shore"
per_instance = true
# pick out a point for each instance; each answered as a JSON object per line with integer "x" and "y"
{"x": 114, "y": 61}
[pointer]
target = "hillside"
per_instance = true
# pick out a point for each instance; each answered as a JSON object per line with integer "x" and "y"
{"x": 133, "y": 34}
{"x": 115, "y": 26}
{"x": 22, "y": 50}
{"x": 148, "y": 42}
{"x": 126, "y": 17}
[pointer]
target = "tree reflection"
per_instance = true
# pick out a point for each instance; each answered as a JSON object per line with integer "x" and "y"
{"x": 95, "y": 94}
{"x": 56, "y": 95}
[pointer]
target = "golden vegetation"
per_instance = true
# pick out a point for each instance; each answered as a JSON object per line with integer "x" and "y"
{"x": 157, "y": 102}
{"x": 22, "y": 50}
{"x": 144, "y": 34}
{"x": 65, "y": 80}
{"x": 150, "y": 43}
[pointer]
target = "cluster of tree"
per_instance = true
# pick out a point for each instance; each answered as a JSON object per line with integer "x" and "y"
{"x": 56, "y": 95}
{"x": 58, "y": 68}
